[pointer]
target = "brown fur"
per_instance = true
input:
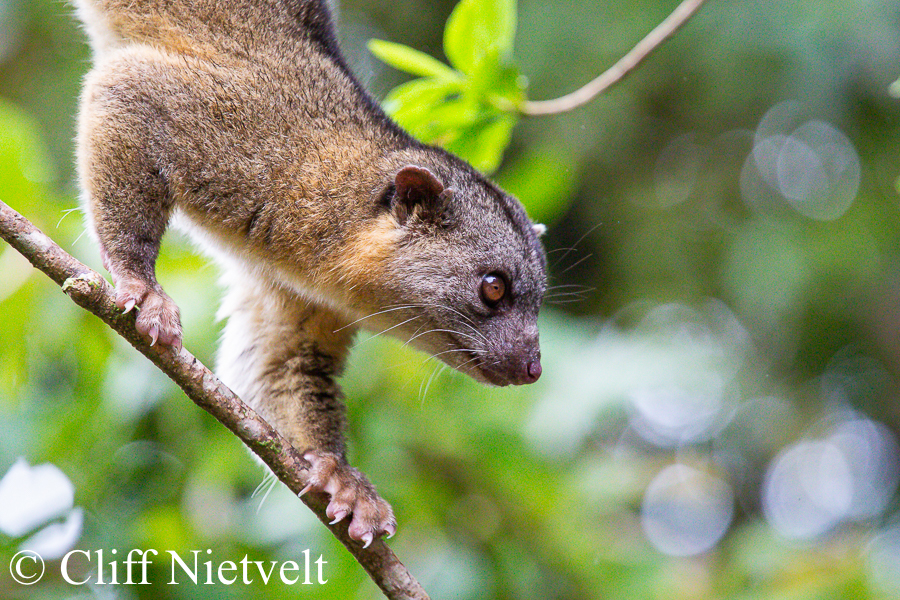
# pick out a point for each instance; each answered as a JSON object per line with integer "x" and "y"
{"x": 242, "y": 118}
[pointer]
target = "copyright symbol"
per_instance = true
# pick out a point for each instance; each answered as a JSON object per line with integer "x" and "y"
{"x": 26, "y": 567}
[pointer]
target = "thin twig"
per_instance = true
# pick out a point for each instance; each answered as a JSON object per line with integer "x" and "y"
{"x": 91, "y": 291}
{"x": 615, "y": 73}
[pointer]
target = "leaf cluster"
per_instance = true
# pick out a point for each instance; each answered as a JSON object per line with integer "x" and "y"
{"x": 468, "y": 106}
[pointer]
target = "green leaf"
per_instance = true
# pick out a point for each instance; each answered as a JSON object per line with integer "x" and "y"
{"x": 544, "y": 180}
{"x": 477, "y": 29}
{"x": 413, "y": 103}
{"x": 483, "y": 145}
{"x": 464, "y": 111}
{"x": 410, "y": 60}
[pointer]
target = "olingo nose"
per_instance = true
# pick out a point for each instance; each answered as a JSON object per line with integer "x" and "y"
{"x": 533, "y": 371}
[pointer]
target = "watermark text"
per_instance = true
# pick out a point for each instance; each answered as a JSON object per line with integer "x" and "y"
{"x": 196, "y": 567}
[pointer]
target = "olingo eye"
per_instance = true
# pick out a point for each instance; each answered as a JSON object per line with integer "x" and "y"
{"x": 493, "y": 288}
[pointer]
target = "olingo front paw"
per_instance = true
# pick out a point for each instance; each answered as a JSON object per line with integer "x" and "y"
{"x": 351, "y": 495}
{"x": 158, "y": 317}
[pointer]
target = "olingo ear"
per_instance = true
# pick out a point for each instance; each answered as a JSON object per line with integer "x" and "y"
{"x": 418, "y": 192}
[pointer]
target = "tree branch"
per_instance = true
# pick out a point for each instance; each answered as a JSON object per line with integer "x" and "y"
{"x": 92, "y": 292}
{"x": 618, "y": 71}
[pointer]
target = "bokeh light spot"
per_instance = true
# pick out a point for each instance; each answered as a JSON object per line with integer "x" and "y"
{"x": 812, "y": 167}
{"x": 686, "y": 511}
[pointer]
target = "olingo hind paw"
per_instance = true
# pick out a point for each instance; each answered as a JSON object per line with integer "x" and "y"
{"x": 351, "y": 496}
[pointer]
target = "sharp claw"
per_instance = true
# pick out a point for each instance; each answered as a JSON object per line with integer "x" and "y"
{"x": 154, "y": 335}
{"x": 128, "y": 306}
{"x": 390, "y": 530}
{"x": 304, "y": 490}
{"x": 339, "y": 516}
{"x": 367, "y": 539}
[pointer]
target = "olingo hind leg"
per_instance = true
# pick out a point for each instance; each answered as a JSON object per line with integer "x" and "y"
{"x": 281, "y": 354}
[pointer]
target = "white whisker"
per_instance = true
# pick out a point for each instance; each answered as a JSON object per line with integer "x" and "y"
{"x": 440, "y": 368}
{"x": 392, "y": 327}
{"x": 375, "y": 314}
{"x": 267, "y": 484}
{"x": 575, "y": 264}
{"x": 443, "y": 331}
{"x": 575, "y": 245}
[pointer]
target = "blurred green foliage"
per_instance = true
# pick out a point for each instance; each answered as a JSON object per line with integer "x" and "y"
{"x": 699, "y": 317}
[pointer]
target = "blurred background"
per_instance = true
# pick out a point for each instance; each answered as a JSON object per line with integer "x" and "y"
{"x": 719, "y": 410}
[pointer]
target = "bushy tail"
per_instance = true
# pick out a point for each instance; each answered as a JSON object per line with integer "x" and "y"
{"x": 204, "y": 26}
